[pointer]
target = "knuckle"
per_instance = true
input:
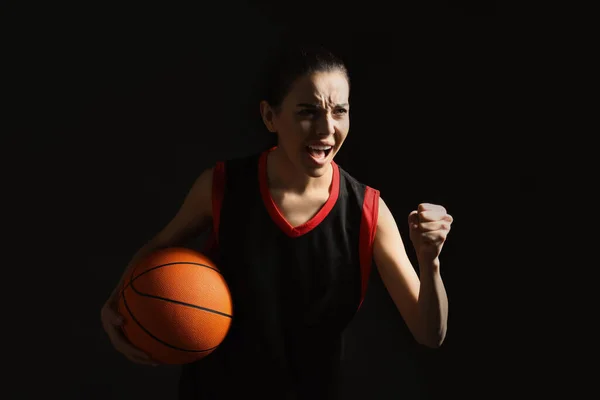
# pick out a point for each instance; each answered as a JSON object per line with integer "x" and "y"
{"x": 433, "y": 237}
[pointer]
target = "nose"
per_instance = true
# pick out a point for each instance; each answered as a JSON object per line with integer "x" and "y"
{"x": 326, "y": 125}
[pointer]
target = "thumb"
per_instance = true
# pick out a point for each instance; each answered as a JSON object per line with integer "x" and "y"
{"x": 114, "y": 317}
{"x": 413, "y": 219}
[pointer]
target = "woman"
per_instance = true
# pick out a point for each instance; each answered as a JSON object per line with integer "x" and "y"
{"x": 294, "y": 235}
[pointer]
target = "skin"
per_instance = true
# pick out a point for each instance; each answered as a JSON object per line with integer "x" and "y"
{"x": 296, "y": 125}
{"x": 316, "y": 108}
{"x": 300, "y": 189}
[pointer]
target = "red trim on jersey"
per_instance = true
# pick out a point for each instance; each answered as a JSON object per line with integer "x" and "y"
{"x": 218, "y": 188}
{"x": 368, "y": 227}
{"x": 276, "y": 215}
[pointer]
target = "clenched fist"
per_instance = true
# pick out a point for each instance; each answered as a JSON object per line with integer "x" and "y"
{"x": 429, "y": 226}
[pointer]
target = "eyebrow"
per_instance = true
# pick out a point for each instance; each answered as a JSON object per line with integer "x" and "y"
{"x": 318, "y": 106}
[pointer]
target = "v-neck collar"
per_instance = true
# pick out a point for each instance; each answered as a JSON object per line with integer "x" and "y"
{"x": 278, "y": 217}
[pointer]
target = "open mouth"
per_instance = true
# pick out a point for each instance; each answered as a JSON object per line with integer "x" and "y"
{"x": 319, "y": 152}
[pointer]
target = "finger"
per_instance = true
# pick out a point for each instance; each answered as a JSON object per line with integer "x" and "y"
{"x": 436, "y": 236}
{"x": 111, "y": 316}
{"x": 431, "y": 207}
{"x": 122, "y": 344}
{"x": 434, "y": 215}
{"x": 434, "y": 226}
{"x": 142, "y": 361}
{"x": 116, "y": 318}
{"x": 413, "y": 220}
{"x": 132, "y": 351}
{"x": 136, "y": 354}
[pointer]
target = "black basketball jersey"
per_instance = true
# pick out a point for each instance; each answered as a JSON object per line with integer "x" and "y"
{"x": 294, "y": 289}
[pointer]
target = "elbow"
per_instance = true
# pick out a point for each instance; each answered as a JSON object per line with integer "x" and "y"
{"x": 433, "y": 341}
{"x": 432, "y": 344}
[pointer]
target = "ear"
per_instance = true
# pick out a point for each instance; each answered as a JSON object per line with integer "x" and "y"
{"x": 268, "y": 116}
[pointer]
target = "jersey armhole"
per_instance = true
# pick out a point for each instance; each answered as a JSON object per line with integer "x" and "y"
{"x": 218, "y": 188}
{"x": 368, "y": 227}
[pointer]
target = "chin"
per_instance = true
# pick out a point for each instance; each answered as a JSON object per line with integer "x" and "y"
{"x": 316, "y": 172}
{"x": 313, "y": 167}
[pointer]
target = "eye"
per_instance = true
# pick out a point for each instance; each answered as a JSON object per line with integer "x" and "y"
{"x": 307, "y": 112}
{"x": 341, "y": 111}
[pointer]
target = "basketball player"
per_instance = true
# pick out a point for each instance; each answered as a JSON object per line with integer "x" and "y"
{"x": 294, "y": 235}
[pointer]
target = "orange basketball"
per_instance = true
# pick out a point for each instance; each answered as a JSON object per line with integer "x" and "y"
{"x": 176, "y": 306}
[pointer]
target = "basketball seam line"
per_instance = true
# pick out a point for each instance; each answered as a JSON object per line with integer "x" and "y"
{"x": 130, "y": 283}
{"x": 176, "y": 263}
{"x": 180, "y": 302}
{"x": 157, "y": 339}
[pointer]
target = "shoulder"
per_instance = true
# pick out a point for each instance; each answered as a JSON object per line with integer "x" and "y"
{"x": 361, "y": 188}
{"x": 239, "y": 162}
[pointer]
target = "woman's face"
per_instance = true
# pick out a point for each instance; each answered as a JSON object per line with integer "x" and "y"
{"x": 313, "y": 120}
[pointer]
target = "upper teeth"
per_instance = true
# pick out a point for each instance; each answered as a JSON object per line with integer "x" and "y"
{"x": 320, "y": 147}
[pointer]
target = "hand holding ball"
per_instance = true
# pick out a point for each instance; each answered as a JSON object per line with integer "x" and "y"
{"x": 176, "y": 306}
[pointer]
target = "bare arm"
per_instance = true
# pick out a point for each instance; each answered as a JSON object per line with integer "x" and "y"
{"x": 194, "y": 215}
{"x": 421, "y": 302}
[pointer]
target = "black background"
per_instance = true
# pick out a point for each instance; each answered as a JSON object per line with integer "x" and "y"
{"x": 120, "y": 107}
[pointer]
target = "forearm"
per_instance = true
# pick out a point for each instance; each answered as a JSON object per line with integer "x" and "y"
{"x": 433, "y": 305}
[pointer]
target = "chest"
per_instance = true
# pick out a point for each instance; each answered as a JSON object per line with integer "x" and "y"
{"x": 299, "y": 209}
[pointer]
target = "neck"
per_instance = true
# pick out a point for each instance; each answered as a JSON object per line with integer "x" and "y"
{"x": 283, "y": 175}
